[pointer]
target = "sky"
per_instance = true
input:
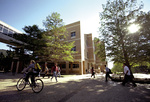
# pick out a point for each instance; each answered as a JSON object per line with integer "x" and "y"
{"x": 21, "y": 13}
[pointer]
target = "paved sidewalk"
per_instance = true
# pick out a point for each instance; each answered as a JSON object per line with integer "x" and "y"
{"x": 73, "y": 88}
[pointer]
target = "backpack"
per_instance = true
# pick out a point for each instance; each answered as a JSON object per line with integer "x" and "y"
{"x": 37, "y": 67}
{"x": 110, "y": 71}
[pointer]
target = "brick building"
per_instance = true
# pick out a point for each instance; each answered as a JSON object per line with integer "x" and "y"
{"x": 85, "y": 58}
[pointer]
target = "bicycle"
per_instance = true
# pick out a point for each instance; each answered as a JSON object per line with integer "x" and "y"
{"x": 38, "y": 87}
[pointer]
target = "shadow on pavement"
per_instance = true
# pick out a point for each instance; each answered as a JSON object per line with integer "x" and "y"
{"x": 82, "y": 90}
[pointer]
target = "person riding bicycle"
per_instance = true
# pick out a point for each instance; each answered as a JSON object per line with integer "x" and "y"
{"x": 31, "y": 72}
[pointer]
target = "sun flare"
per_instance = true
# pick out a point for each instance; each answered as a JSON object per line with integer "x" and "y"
{"x": 133, "y": 28}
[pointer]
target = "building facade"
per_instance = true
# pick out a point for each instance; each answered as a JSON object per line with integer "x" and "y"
{"x": 7, "y": 32}
{"x": 85, "y": 58}
{"x": 74, "y": 34}
{"x": 6, "y": 36}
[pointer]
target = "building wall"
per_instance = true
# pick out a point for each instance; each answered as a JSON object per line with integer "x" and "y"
{"x": 91, "y": 60}
{"x": 79, "y": 66}
{"x": 88, "y": 52}
{"x": 6, "y": 36}
{"x": 100, "y": 65}
{"x": 74, "y": 67}
{"x": 75, "y": 27}
{"x": 6, "y": 33}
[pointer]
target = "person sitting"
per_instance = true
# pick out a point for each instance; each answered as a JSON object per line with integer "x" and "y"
{"x": 31, "y": 72}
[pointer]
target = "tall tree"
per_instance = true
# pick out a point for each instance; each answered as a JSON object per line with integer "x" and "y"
{"x": 100, "y": 49}
{"x": 31, "y": 41}
{"x": 117, "y": 15}
{"x": 34, "y": 39}
{"x": 143, "y": 38}
{"x": 57, "y": 48}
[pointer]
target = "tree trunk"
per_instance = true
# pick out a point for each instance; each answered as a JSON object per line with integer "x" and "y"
{"x": 126, "y": 58}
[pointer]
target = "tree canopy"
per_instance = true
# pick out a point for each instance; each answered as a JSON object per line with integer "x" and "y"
{"x": 143, "y": 39}
{"x": 49, "y": 44}
{"x": 31, "y": 40}
{"x": 57, "y": 47}
{"x": 100, "y": 49}
{"x": 120, "y": 44}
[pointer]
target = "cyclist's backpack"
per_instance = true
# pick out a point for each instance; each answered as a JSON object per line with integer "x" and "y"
{"x": 110, "y": 71}
{"x": 37, "y": 67}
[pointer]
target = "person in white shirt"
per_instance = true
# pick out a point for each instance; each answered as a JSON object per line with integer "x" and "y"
{"x": 59, "y": 70}
{"x": 107, "y": 73}
{"x": 127, "y": 76}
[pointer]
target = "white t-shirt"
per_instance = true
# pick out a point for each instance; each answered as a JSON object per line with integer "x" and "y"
{"x": 127, "y": 69}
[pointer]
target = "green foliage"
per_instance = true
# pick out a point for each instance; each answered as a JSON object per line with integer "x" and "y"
{"x": 31, "y": 41}
{"x": 118, "y": 67}
{"x": 143, "y": 67}
{"x": 115, "y": 20}
{"x": 143, "y": 38}
{"x": 57, "y": 48}
{"x": 99, "y": 49}
{"x": 48, "y": 45}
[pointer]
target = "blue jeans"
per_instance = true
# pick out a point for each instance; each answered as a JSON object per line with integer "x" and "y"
{"x": 54, "y": 75}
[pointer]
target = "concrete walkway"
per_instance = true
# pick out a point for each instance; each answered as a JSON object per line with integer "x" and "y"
{"x": 73, "y": 88}
{"x": 138, "y": 78}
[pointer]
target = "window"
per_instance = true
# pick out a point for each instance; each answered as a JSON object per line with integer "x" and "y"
{"x": 11, "y": 32}
{"x": 63, "y": 66}
{"x": 73, "y": 49}
{"x": 73, "y": 34}
{"x": 5, "y": 31}
{"x": 1, "y": 27}
{"x": 75, "y": 65}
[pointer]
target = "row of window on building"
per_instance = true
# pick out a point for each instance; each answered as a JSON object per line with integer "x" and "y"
{"x": 7, "y": 31}
{"x": 73, "y": 65}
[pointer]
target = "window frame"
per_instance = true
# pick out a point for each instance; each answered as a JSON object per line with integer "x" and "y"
{"x": 73, "y": 34}
{"x": 75, "y": 65}
{"x": 74, "y": 48}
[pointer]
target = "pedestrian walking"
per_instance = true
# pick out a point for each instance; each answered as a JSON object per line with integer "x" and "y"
{"x": 92, "y": 72}
{"x": 108, "y": 71}
{"x": 54, "y": 71}
{"x": 127, "y": 77}
{"x": 46, "y": 72}
{"x": 59, "y": 70}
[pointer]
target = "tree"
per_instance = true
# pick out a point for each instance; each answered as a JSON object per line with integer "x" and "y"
{"x": 117, "y": 15}
{"x": 57, "y": 48}
{"x": 34, "y": 41}
{"x": 117, "y": 67}
{"x": 31, "y": 41}
{"x": 143, "y": 38}
{"x": 99, "y": 49}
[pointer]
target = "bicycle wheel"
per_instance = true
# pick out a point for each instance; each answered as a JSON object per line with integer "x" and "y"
{"x": 38, "y": 86}
{"x": 21, "y": 84}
